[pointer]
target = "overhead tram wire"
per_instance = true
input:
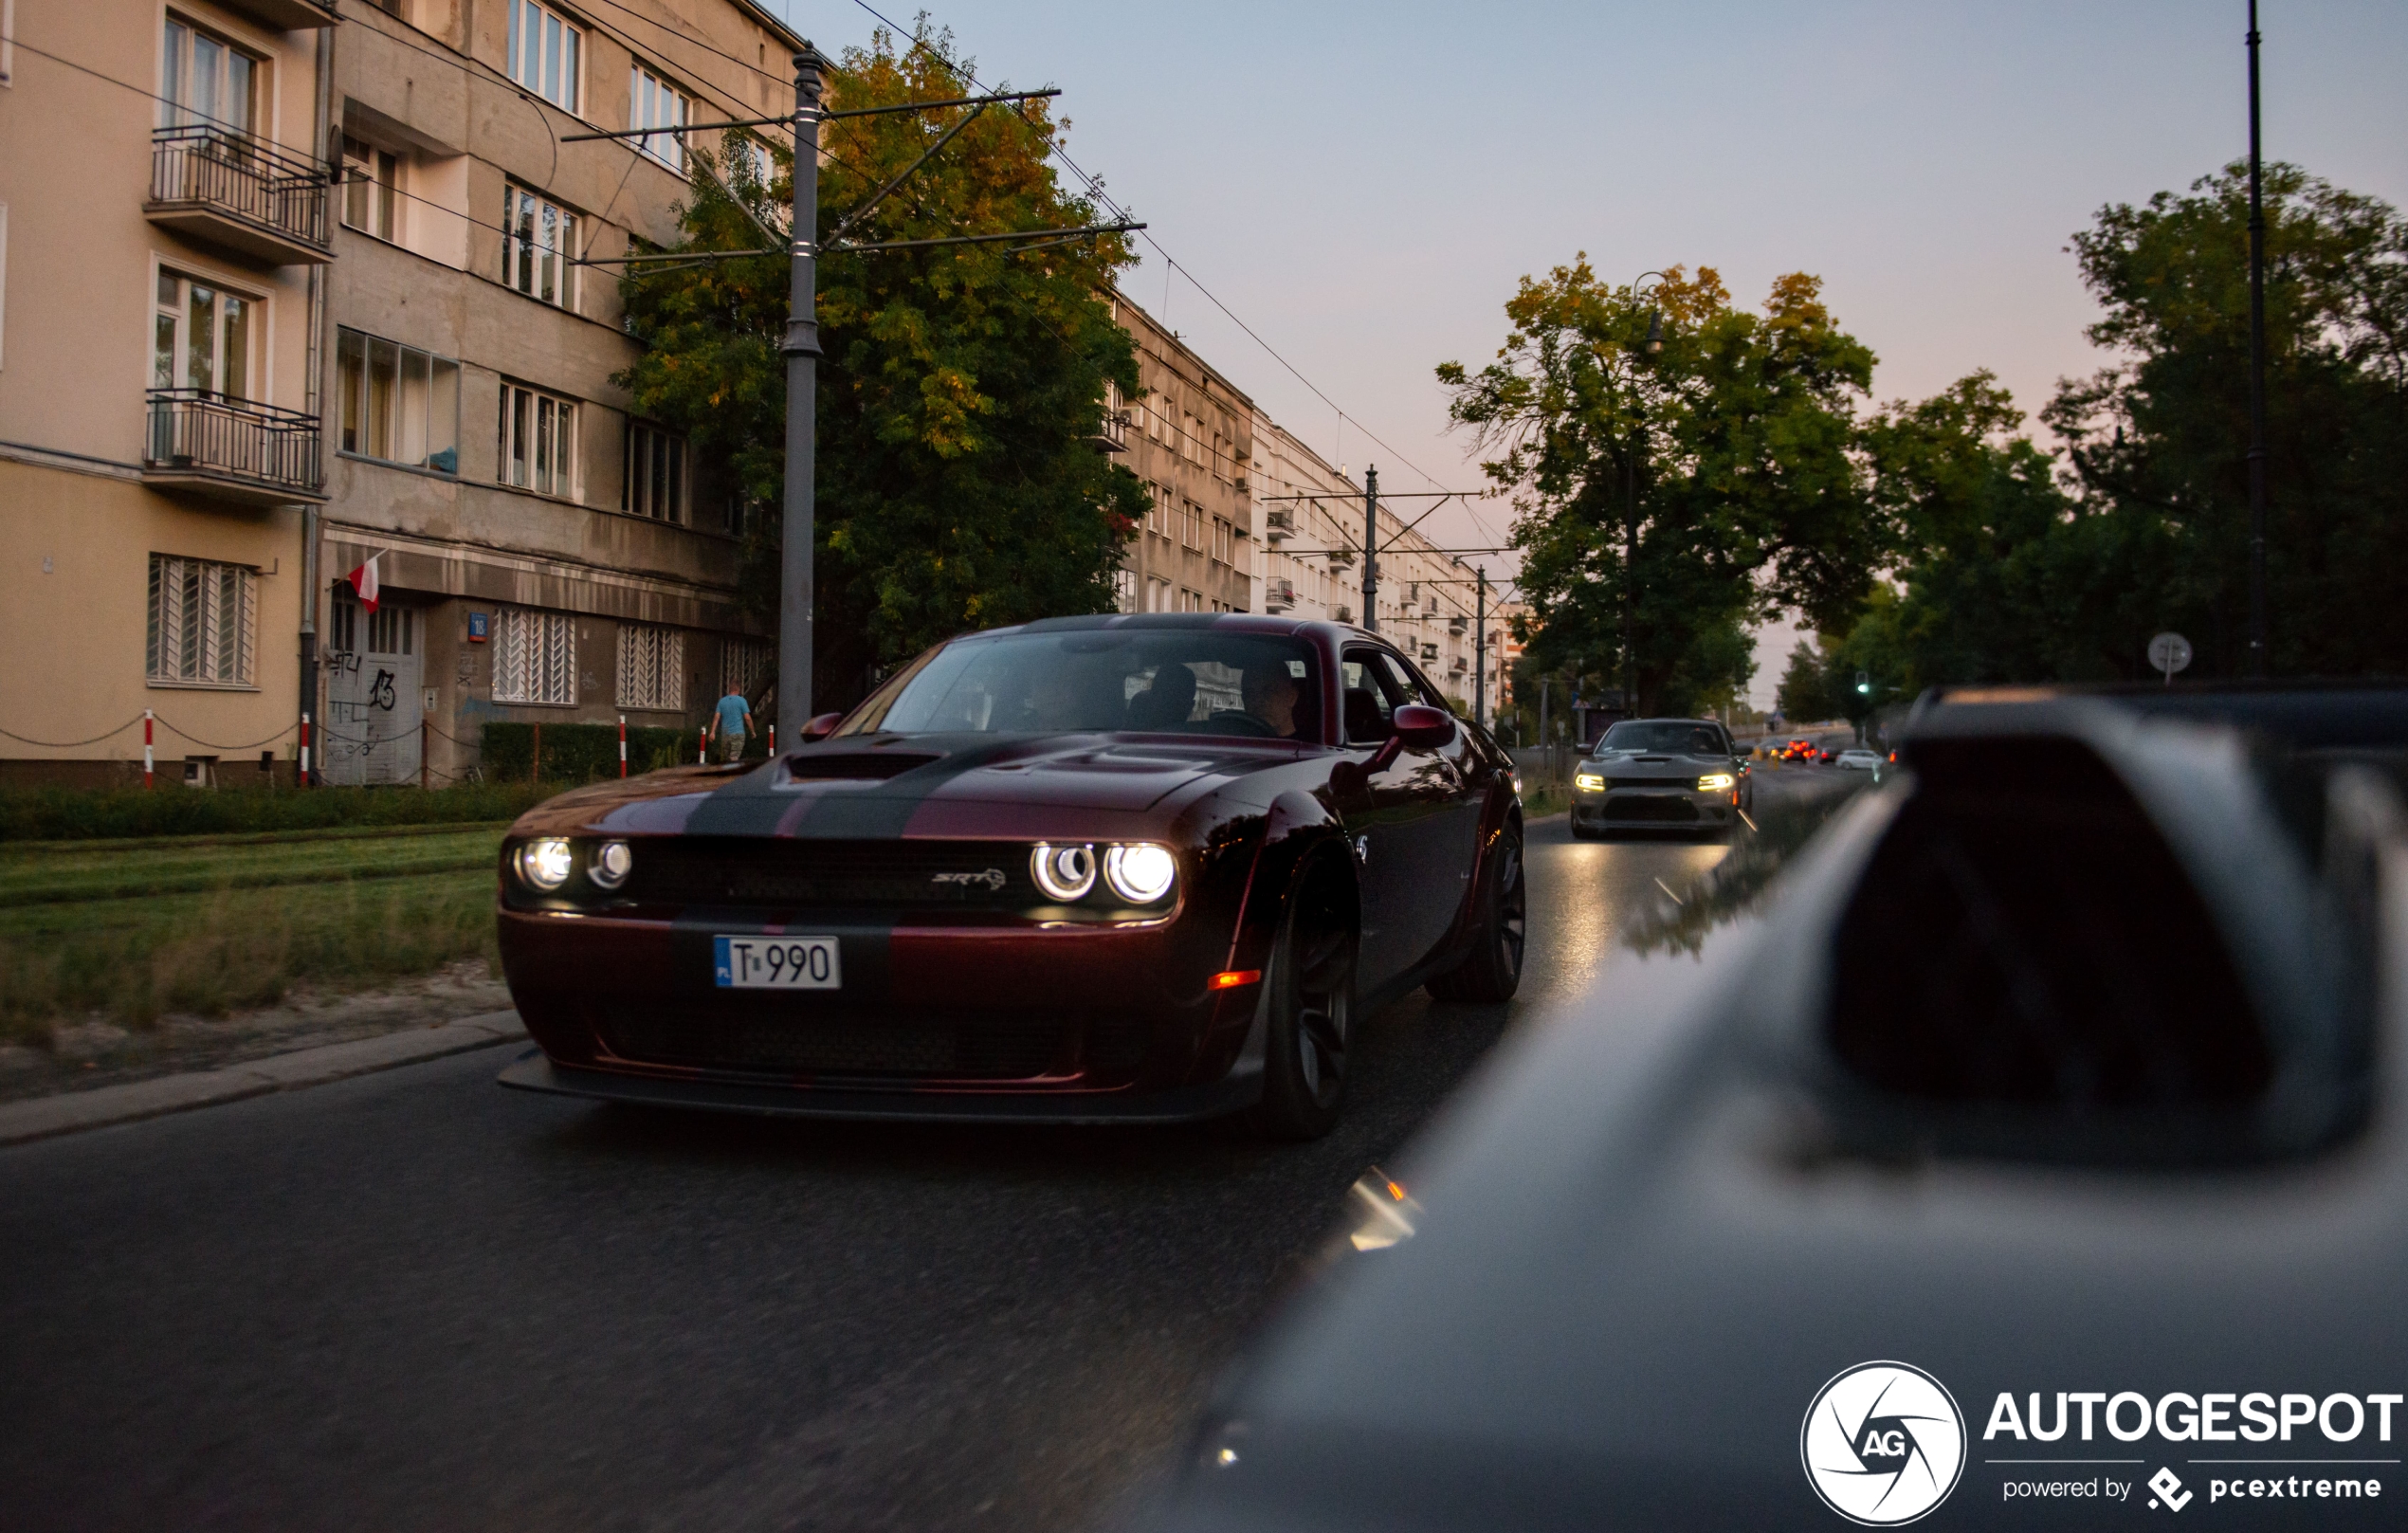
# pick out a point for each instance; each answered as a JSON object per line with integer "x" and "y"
{"x": 1096, "y": 190}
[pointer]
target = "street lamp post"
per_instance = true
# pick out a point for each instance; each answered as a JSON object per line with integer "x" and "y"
{"x": 802, "y": 352}
{"x": 1630, "y": 517}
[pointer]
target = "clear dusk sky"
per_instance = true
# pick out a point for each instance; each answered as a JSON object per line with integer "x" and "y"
{"x": 1363, "y": 184}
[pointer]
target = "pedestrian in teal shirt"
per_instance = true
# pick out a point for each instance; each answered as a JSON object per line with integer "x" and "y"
{"x": 734, "y": 721}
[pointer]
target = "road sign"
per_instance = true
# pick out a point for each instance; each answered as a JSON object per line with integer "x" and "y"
{"x": 2170, "y": 653}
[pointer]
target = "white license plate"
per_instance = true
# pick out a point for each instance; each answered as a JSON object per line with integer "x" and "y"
{"x": 776, "y": 963}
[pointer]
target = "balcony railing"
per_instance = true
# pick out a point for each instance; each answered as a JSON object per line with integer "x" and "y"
{"x": 224, "y": 187}
{"x": 257, "y": 454}
{"x": 1279, "y": 595}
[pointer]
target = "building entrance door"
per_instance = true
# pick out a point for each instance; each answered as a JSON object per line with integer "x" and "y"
{"x": 374, "y": 702}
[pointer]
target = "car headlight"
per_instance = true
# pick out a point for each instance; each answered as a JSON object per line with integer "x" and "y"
{"x": 612, "y": 862}
{"x": 1589, "y": 782}
{"x": 1064, "y": 872}
{"x": 544, "y": 864}
{"x": 1139, "y": 874}
{"x": 1714, "y": 782}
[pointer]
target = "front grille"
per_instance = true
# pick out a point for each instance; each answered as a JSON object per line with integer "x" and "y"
{"x": 1651, "y": 807}
{"x": 788, "y": 874}
{"x": 1682, "y": 783}
{"x": 772, "y": 1035}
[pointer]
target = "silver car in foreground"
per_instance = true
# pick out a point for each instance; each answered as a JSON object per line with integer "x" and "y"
{"x": 1661, "y": 775}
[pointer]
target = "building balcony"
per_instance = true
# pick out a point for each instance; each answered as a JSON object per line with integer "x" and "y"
{"x": 1278, "y": 526}
{"x": 224, "y": 189}
{"x": 1342, "y": 613}
{"x": 230, "y": 449}
{"x": 1113, "y": 436}
{"x": 1457, "y": 666}
{"x": 1278, "y": 596}
{"x": 1341, "y": 558}
{"x": 1458, "y": 625}
{"x": 1428, "y": 651}
{"x": 290, "y": 16}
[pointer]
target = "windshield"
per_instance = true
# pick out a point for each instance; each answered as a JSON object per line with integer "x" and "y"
{"x": 1188, "y": 681}
{"x": 1663, "y": 738}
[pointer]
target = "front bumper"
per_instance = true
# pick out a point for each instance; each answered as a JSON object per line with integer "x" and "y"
{"x": 1654, "y": 809}
{"x": 1240, "y": 1089}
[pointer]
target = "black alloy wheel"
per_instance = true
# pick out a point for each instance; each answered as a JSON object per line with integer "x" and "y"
{"x": 1492, "y": 971}
{"x": 1312, "y": 1015}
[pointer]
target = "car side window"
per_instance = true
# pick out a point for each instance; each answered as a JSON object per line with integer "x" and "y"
{"x": 1419, "y": 688}
{"x": 1369, "y": 695}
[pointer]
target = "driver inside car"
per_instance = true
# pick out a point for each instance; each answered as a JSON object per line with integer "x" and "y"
{"x": 1271, "y": 692}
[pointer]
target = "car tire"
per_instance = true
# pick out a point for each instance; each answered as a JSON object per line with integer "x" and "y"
{"x": 1492, "y": 972}
{"x": 1312, "y": 1014}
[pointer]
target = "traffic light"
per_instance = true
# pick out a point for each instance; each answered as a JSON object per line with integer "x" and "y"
{"x": 1864, "y": 684}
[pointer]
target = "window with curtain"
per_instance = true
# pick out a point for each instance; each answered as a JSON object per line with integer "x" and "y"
{"x": 201, "y": 623}
{"x": 397, "y": 403}
{"x": 653, "y": 483}
{"x": 653, "y": 102}
{"x": 652, "y": 667}
{"x": 535, "y": 656}
{"x": 540, "y": 241}
{"x": 545, "y": 56}
{"x": 201, "y": 336}
{"x": 539, "y": 441}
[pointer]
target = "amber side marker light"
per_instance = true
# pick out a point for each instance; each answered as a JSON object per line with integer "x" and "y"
{"x": 1231, "y": 979}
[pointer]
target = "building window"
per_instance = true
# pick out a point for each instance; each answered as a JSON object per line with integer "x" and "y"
{"x": 653, "y": 102}
{"x": 538, "y": 242}
{"x": 651, "y": 668}
{"x": 544, "y": 49}
{"x": 535, "y": 656}
{"x": 654, "y": 481}
{"x": 1124, "y": 590}
{"x": 200, "y": 622}
{"x": 201, "y": 336}
{"x": 399, "y": 404}
{"x": 744, "y": 664}
{"x": 539, "y": 441}
{"x": 371, "y": 179}
{"x": 206, "y": 80}
{"x": 391, "y": 630}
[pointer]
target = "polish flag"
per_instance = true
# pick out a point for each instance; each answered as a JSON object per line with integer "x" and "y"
{"x": 364, "y": 579}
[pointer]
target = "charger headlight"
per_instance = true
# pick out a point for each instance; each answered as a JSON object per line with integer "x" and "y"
{"x": 1590, "y": 782}
{"x": 1142, "y": 874}
{"x": 612, "y": 862}
{"x": 1064, "y": 872}
{"x": 1714, "y": 782}
{"x": 546, "y": 864}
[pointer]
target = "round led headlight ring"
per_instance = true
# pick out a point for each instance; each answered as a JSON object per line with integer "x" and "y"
{"x": 613, "y": 862}
{"x": 1140, "y": 874}
{"x": 544, "y": 864}
{"x": 1062, "y": 872}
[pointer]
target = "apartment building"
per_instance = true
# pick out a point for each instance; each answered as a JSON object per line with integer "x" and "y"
{"x": 316, "y": 295}
{"x": 1312, "y": 517}
{"x": 1190, "y": 440}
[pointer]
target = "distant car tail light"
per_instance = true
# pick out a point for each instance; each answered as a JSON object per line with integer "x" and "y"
{"x": 1064, "y": 872}
{"x": 545, "y": 864}
{"x": 1142, "y": 874}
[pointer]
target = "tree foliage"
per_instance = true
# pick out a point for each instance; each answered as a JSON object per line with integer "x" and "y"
{"x": 961, "y": 387}
{"x": 1729, "y": 452}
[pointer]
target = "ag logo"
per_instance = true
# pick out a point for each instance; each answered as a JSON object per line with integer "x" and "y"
{"x": 1883, "y": 1444}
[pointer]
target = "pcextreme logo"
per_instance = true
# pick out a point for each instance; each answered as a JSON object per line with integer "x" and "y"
{"x": 1883, "y": 1443}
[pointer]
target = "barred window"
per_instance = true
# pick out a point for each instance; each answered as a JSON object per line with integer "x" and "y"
{"x": 201, "y": 622}
{"x": 535, "y": 657}
{"x": 744, "y": 664}
{"x": 651, "y": 668}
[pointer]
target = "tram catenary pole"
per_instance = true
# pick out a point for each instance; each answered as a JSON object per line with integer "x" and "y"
{"x": 1371, "y": 549}
{"x": 802, "y": 352}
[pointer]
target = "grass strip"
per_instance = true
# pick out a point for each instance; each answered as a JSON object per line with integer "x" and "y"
{"x": 101, "y": 870}
{"x": 213, "y": 952}
{"x": 28, "y": 852}
{"x": 56, "y": 814}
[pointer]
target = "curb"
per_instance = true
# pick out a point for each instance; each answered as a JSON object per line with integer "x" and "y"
{"x": 44, "y": 1116}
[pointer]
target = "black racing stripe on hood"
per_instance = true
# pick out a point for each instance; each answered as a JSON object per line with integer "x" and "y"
{"x": 753, "y": 805}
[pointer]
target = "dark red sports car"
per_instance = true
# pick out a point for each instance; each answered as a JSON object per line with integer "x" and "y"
{"x": 1148, "y": 867}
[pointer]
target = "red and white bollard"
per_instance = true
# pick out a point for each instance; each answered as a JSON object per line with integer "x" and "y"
{"x": 304, "y": 751}
{"x": 773, "y": 738}
{"x": 703, "y": 746}
{"x": 146, "y": 748}
{"x": 622, "y": 745}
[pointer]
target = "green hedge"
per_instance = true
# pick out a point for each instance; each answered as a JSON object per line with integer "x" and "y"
{"x": 585, "y": 753}
{"x": 86, "y": 813}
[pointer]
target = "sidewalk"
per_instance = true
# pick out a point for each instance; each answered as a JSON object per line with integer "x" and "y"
{"x": 71, "y": 1112}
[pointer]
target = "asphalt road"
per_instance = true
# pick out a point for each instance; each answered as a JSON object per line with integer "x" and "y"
{"x": 416, "y": 1300}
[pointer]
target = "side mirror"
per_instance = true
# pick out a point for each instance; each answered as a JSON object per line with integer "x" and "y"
{"x": 1416, "y": 727}
{"x": 821, "y": 727}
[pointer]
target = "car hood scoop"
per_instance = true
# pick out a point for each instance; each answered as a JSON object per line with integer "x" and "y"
{"x": 855, "y": 766}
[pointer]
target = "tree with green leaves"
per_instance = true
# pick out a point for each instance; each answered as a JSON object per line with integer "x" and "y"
{"x": 1726, "y": 455}
{"x": 962, "y": 390}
